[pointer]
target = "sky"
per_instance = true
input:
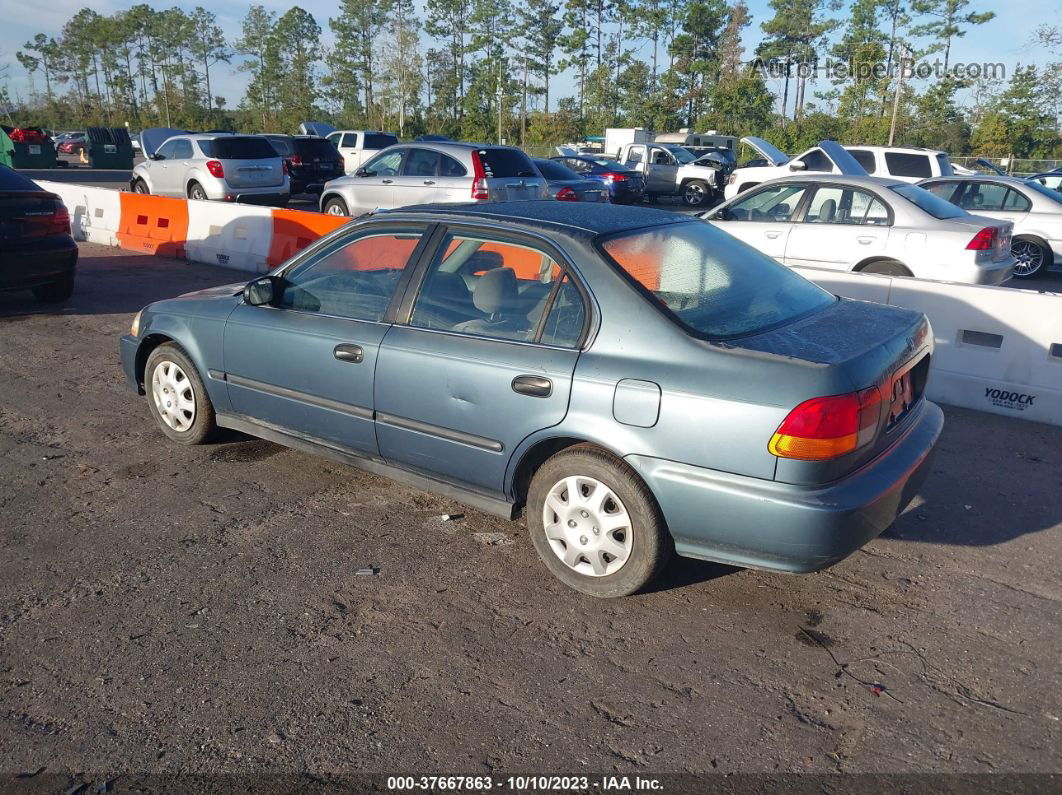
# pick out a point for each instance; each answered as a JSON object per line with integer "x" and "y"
{"x": 1006, "y": 39}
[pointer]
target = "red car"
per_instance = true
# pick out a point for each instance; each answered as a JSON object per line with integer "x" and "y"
{"x": 72, "y": 145}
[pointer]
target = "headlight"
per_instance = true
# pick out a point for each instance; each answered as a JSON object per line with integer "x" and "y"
{"x": 135, "y": 328}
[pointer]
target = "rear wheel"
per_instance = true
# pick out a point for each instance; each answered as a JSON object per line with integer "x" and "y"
{"x": 195, "y": 191}
{"x": 56, "y": 292}
{"x": 887, "y": 267}
{"x": 1031, "y": 255}
{"x": 595, "y": 524}
{"x": 140, "y": 187}
{"x": 336, "y": 206}
{"x": 176, "y": 396}
{"x": 696, "y": 193}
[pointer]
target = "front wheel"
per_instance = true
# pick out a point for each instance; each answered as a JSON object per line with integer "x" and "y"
{"x": 595, "y": 524}
{"x": 696, "y": 193}
{"x": 1031, "y": 257}
{"x": 335, "y": 206}
{"x": 177, "y": 398}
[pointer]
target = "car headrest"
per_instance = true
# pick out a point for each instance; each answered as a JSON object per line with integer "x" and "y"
{"x": 495, "y": 291}
{"x": 827, "y": 211}
{"x": 484, "y": 261}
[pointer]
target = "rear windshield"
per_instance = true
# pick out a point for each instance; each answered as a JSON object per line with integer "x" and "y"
{"x": 610, "y": 165}
{"x": 551, "y": 170}
{"x": 238, "y": 148}
{"x": 315, "y": 147}
{"x": 379, "y": 141}
{"x": 506, "y": 163}
{"x": 930, "y": 203}
{"x": 713, "y": 284}
{"x": 283, "y": 146}
{"x": 12, "y": 180}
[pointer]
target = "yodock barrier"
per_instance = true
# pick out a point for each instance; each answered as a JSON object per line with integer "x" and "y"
{"x": 233, "y": 235}
{"x": 95, "y": 213}
{"x": 153, "y": 224}
{"x": 998, "y": 349}
{"x": 294, "y": 230}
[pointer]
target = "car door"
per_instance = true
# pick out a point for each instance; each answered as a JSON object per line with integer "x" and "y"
{"x": 842, "y": 226}
{"x": 763, "y": 217}
{"x": 637, "y": 159}
{"x": 485, "y": 360}
{"x": 305, "y": 363}
{"x": 373, "y": 185}
{"x": 453, "y": 185}
{"x": 347, "y": 144}
{"x": 417, "y": 182}
{"x": 662, "y": 174}
{"x": 179, "y": 166}
{"x": 164, "y": 170}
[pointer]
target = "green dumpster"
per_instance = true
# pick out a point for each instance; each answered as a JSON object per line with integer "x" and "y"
{"x": 26, "y": 147}
{"x": 109, "y": 148}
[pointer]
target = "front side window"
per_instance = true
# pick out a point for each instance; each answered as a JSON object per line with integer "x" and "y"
{"x": 166, "y": 151}
{"x": 495, "y": 288}
{"x": 353, "y": 279}
{"x": 775, "y": 204}
{"x": 387, "y": 164}
{"x": 714, "y": 285}
{"x": 836, "y": 205}
{"x": 350, "y": 140}
{"x": 634, "y": 157}
{"x": 905, "y": 164}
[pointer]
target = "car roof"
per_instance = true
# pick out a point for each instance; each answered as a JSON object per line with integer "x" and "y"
{"x": 593, "y": 218}
{"x": 12, "y": 180}
{"x": 977, "y": 178}
{"x": 846, "y": 179}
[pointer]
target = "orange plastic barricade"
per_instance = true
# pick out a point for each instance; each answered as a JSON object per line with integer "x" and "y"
{"x": 153, "y": 224}
{"x": 294, "y": 230}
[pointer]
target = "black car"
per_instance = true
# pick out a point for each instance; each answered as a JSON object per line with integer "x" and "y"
{"x": 37, "y": 251}
{"x": 311, "y": 161}
{"x": 624, "y": 185}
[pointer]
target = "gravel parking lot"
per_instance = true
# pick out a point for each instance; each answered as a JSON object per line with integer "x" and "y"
{"x": 197, "y": 610}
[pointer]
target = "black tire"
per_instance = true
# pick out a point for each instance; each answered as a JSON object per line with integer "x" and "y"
{"x": 887, "y": 267}
{"x": 195, "y": 191}
{"x": 696, "y": 193}
{"x": 55, "y": 292}
{"x": 141, "y": 187}
{"x": 203, "y": 425}
{"x": 651, "y": 545}
{"x": 1032, "y": 255}
{"x": 339, "y": 207}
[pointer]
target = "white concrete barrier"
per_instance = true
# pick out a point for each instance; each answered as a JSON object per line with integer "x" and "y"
{"x": 94, "y": 212}
{"x": 232, "y": 235}
{"x": 998, "y": 349}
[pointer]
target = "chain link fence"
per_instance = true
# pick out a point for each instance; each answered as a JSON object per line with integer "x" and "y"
{"x": 1021, "y": 167}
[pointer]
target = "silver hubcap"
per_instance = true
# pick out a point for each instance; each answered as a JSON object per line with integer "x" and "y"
{"x": 333, "y": 209}
{"x": 587, "y": 526}
{"x": 694, "y": 194}
{"x": 1029, "y": 257}
{"x": 173, "y": 395}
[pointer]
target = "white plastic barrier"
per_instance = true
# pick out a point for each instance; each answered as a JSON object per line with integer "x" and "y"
{"x": 94, "y": 212}
{"x": 998, "y": 349}
{"x": 233, "y": 235}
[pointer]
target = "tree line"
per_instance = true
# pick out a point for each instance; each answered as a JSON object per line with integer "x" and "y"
{"x": 489, "y": 69}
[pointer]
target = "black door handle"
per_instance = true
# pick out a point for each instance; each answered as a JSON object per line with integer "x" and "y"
{"x": 533, "y": 385}
{"x": 429, "y": 182}
{"x": 349, "y": 353}
{"x": 387, "y": 181}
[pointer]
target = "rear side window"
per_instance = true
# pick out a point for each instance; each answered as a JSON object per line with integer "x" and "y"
{"x": 448, "y": 167}
{"x": 905, "y": 164}
{"x": 1016, "y": 203}
{"x": 864, "y": 158}
{"x": 379, "y": 140}
{"x": 506, "y": 163}
{"x": 712, "y": 284}
{"x": 421, "y": 163}
{"x": 238, "y": 148}
{"x": 551, "y": 170}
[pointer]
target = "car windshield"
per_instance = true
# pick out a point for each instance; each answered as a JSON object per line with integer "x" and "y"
{"x": 927, "y": 202}
{"x": 681, "y": 153}
{"x": 1043, "y": 190}
{"x": 238, "y": 148}
{"x": 713, "y": 284}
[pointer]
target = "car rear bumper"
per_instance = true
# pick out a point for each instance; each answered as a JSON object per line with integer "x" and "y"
{"x": 37, "y": 263}
{"x": 782, "y": 527}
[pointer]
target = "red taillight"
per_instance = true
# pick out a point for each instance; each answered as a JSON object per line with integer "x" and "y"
{"x": 985, "y": 240}
{"x": 283, "y": 166}
{"x": 566, "y": 194}
{"x": 216, "y": 169}
{"x": 60, "y": 221}
{"x": 613, "y": 177}
{"x": 480, "y": 191}
{"x": 342, "y": 163}
{"x": 296, "y": 160}
{"x": 827, "y": 427}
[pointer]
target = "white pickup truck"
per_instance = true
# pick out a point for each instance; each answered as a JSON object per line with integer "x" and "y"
{"x": 670, "y": 170}
{"x": 357, "y": 146}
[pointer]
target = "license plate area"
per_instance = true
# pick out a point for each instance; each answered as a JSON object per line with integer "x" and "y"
{"x": 905, "y": 391}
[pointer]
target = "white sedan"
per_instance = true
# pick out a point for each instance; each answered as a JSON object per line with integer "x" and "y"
{"x": 1035, "y": 211}
{"x": 869, "y": 225}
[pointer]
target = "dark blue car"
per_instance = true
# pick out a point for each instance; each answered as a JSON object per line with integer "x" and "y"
{"x": 624, "y": 185}
{"x": 638, "y": 382}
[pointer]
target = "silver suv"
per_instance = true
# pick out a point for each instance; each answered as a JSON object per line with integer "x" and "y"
{"x": 435, "y": 173}
{"x": 243, "y": 168}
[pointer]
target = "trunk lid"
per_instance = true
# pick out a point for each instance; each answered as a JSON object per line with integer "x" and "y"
{"x": 253, "y": 173}
{"x": 858, "y": 345}
{"x": 510, "y": 175}
{"x": 29, "y": 215}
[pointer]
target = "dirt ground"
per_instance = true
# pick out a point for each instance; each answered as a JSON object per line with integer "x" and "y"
{"x": 196, "y": 611}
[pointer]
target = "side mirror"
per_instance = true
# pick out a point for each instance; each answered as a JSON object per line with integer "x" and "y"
{"x": 716, "y": 214}
{"x": 798, "y": 165}
{"x": 260, "y": 292}
{"x": 361, "y": 172}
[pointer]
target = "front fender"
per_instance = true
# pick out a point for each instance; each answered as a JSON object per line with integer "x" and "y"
{"x": 201, "y": 339}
